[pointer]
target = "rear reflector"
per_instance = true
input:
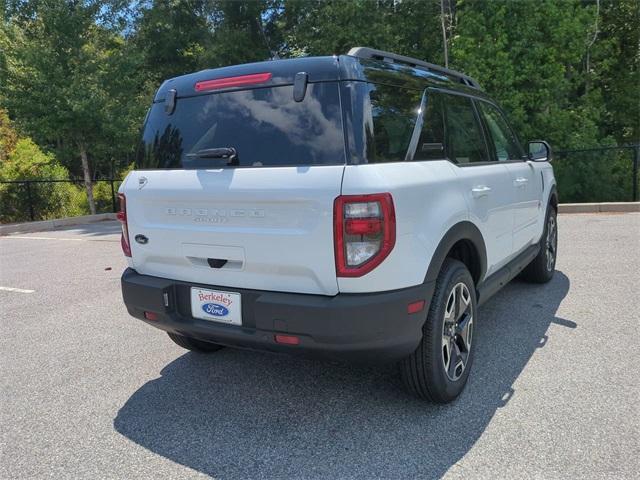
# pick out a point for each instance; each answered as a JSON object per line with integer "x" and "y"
{"x": 363, "y": 226}
{"x": 122, "y": 218}
{"x": 287, "y": 339}
{"x": 150, "y": 315}
{"x": 415, "y": 307}
{"x": 230, "y": 82}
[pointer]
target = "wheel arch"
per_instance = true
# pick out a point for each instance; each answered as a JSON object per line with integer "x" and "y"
{"x": 553, "y": 198}
{"x": 463, "y": 242}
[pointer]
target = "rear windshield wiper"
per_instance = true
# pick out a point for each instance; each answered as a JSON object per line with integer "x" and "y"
{"x": 228, "y": 153}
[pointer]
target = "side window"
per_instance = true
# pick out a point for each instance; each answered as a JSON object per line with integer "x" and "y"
{"x": 394, "y": 112}
{"x": 506, "y": 144}
{"x": 464, "y": 134}
{"x": 431, "y": 143}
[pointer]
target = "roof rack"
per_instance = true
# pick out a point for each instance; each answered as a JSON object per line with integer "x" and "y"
{"x": 366, "y": 52}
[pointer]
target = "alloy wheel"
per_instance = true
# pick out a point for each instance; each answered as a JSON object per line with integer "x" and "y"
{"x": 551, "y": 242}
{"x": 457, "y": 331}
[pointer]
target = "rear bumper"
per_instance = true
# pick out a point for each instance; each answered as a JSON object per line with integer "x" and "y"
{"x": 372, "y": 327}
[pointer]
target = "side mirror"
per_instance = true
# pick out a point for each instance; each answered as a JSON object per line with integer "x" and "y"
{"x": 540, "y": 151}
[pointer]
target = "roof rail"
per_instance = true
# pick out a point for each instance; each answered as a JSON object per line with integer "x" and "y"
{"x": 366, "y": 52}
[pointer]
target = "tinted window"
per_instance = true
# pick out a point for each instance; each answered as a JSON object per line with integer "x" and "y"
{"x": 265, "y": 126}
{"x": 431, "y": 143}
{"x": 505, "y": 143}
{"x": 392, "y": 113}
{"x": 464, "y": 135}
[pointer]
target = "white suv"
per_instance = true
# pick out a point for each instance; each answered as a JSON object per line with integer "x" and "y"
{"x": 352, "y": 207}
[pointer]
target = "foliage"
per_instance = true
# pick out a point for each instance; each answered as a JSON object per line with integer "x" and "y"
{"x": 558, "y": 86}
{"x": 102, "y": 193}
{"x": 595, "y": 176}
{"x": 332, "y": 27}
{"x": 533, "y": 71}
{"x": 78, "y": 76}
{"x": 68, "y": 82}
{"x": 171, "y": 37}
{"x": 50, "y": 200}
{"x": 8, "y": 136}
{"x": 619, "y": 78}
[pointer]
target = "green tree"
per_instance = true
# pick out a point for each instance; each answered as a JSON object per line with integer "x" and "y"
{"x": 176, "y": 37}
{"x": 171, "y": 36}
{"x": 534, "y": 70}
{"x": 242, "y": 32}
{"x": 568, "y": 73}
{"x": 8, "y": 136}
{"x": 616, "y": 68}
{"x": 332, "y": 27}
{"x": 67, "y": 81}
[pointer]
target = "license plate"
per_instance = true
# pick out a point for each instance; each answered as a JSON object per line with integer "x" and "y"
{"x": 217, "y": 306}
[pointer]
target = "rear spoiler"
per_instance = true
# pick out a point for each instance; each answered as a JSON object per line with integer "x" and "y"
{"x": 251, "y": 75}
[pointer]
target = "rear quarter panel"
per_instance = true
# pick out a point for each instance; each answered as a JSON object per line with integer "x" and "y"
{"x": 427, "y": 201}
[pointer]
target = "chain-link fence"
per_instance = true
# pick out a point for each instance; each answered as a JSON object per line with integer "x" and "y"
{"x": 603, "y": 174}
{"x": 43, "y": 199}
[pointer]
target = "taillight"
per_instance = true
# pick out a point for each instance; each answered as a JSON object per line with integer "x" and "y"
{"x": 122, "y": 217}
{"x": 364, "y": 232}
{"x": 230, "y": 82}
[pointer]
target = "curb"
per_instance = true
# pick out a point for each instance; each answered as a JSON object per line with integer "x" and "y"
{"x": 54, "y": 224}
{"x": 46, "y": 225}
{"x": 610, "y": 207}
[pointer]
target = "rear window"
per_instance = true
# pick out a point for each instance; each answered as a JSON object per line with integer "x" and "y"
{"x": 393, "y": 119}
{"x": 265, "y": 127}
{"x": 465, "y": 137}
{"x": 392, "y": 114}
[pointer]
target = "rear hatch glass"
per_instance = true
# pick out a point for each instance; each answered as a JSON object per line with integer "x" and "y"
{"x": 264, "y": 127}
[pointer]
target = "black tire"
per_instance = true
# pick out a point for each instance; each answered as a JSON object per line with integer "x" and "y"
{"x": 541, "y": 268}
{"x": 424, "y": 372}
{"x": 194, "y": 344}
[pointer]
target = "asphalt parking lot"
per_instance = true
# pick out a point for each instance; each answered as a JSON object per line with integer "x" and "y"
{"x": 88, "y": 392}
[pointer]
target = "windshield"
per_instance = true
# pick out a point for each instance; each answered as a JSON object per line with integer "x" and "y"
{"x": 262, "y": 126}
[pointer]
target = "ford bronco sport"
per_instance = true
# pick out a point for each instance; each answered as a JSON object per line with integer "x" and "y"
{"x": 357, "y": 207}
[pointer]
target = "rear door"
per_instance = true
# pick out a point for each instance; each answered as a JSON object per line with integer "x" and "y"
{"x": 261, "y": 218}
{"x": 527, "y": 185}
{"x": 486, "y": 184}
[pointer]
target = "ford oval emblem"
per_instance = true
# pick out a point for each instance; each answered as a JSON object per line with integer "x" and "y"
{"x": 215, "y": 309}
{"x": 141, "y": 239}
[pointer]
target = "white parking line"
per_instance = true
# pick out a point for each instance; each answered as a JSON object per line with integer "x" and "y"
{"x": 46, "y": 238}
{"x": 90, "y": 239}
{"x": 19, "y": 290}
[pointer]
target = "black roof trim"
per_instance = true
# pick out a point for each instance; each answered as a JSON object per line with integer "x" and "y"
{"x": 372, "y": 53}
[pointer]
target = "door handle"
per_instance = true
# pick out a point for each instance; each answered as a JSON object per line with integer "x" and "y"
{"x": 480, "y": 191}
{"x": 520, "y": 182}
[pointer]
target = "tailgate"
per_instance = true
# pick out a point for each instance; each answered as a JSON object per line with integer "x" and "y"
{"x": 257, "y": 228}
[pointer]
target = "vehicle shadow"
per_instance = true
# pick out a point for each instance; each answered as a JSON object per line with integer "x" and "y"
{"x": 240, "y": 414}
